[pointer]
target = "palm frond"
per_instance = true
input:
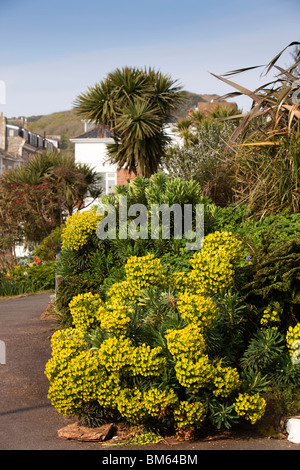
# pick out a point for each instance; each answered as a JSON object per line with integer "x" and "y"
{"x": 272, "y": 100}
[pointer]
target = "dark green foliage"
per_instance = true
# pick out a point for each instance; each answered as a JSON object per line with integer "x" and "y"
{"x": 223, "y": 414}
{"x": 254, "y": 230}
{"x": 254, "y": 382}
{"x": 276, "y": 277}
{"x": 47, "y": 249}
{"x": 228, "y": 334}
{"x": 273, "y": 246}
{"x": 93, "y": 415}
{"x": 263, "y": 350}
{"x": 178, "y": 261}
{"x": 72, "y": 262}
{"x": 285, "y": 373}
{"x": 42, "y": 276}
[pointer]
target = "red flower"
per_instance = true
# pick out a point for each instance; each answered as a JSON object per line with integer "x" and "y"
{"x": 37, "y": 261}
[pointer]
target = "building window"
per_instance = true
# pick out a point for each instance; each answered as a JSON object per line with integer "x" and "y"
{"x": 107, "y": 182}
{"x": 102, "y": 182}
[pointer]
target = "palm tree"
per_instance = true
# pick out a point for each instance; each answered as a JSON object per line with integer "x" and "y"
{"x": 135, "y": 104}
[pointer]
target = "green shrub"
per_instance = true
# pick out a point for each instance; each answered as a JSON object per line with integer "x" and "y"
{"x": 42, "y": 276}
{"x": 28, "y": 279}
{"x": 11, "y": 287}
{"x": 173, "y": 323}
{"x": 276, "y": 278}
{"x": 46, "y": 250}
{"x": 254, "y": 230}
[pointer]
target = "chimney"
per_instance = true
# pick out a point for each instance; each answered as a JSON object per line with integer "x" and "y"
{"x": 2, "y": 132}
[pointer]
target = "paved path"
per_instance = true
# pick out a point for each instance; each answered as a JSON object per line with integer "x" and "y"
{"x": 27, "y": 419}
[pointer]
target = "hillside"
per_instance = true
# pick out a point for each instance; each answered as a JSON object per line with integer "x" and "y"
{"x": 68, "y": 125}
{"x": 64, "y": 123}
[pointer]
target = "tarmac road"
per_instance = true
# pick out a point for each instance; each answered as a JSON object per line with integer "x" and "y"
{"x": 27, "y": 419}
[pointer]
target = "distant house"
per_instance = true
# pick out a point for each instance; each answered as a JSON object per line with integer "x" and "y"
{"x": 18, "y": 144}
{"x": 55, "y": 140}
{"x": 8, "y": 162}
{"x": 212, "y": 102}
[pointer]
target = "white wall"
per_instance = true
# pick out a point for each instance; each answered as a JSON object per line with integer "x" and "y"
{"x": 176, "y": 139}
{"x": 93, "y": 152}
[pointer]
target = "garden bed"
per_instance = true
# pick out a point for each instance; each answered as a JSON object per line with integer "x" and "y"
{"x": 206, "y": 346}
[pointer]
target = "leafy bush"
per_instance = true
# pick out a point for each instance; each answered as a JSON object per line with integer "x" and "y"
{"x": 276, "y": 277}
{"x": 11, "y": 287}
{"x": 46, "y": 250}
{"x": 201, "y": 159}
{"x": 42, "y": 276}
{"x": 283, "y": 226}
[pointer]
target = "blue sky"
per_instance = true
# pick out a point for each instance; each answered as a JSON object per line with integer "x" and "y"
{"x": 52, "y": 51}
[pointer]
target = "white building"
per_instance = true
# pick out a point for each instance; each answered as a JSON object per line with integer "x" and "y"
{"x": 18, "y": 144}
{"x": 91, "y": 149}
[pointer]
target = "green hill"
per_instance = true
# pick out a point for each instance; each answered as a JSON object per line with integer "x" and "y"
{"x": 64, "y": 123}
{"x": 68, "y": 125}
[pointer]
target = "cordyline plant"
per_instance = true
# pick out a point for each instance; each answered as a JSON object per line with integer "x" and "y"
{"x": 274, "y": 100}
{"x": 135, "y": 104}
{"x": 266, "y": 142}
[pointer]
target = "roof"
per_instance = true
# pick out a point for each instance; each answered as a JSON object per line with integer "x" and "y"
{"x": 5, "y": 154}
{"x": 102, "y": 132}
